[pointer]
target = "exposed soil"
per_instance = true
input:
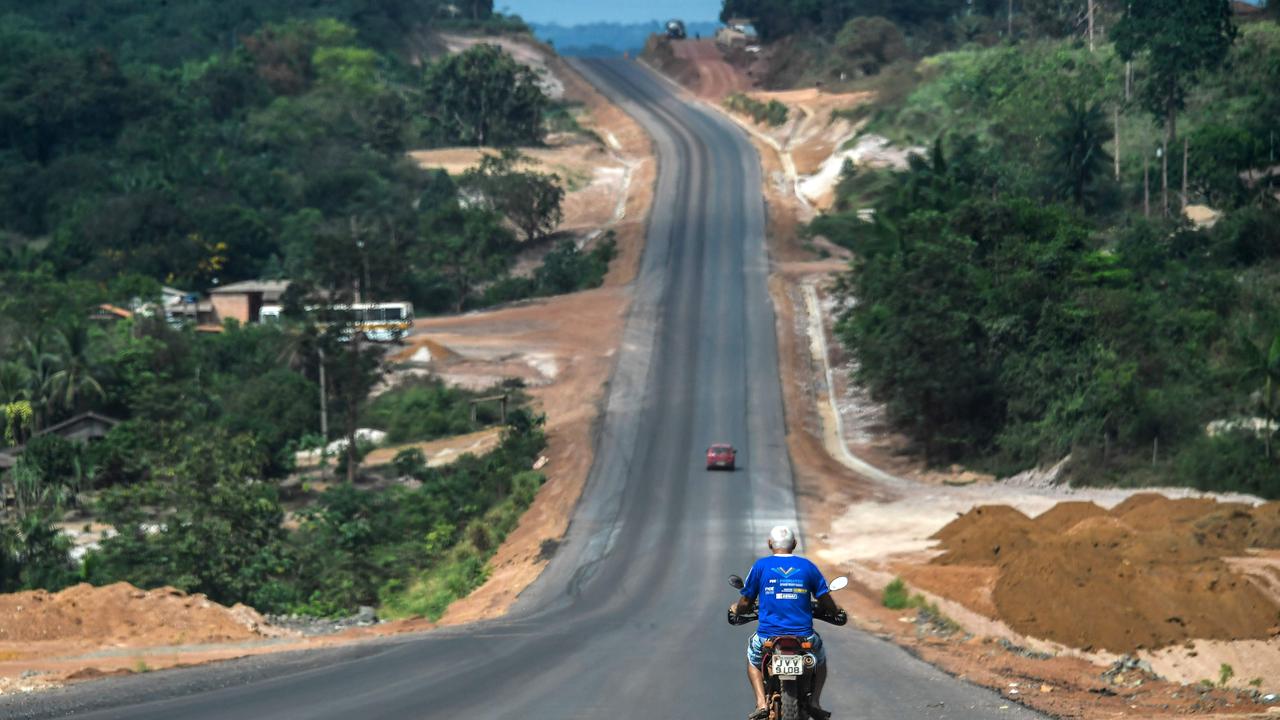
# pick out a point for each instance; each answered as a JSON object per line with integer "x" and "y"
{"x": 123, "y": 615}
{"x": 713, "y": 78}
{"x": 1147, "y": 575}
{"x": 594, "y": 178}
{"x": 441, "y": 452}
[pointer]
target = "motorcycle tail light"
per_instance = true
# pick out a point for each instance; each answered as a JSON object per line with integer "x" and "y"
{"x": 806, "y": 645}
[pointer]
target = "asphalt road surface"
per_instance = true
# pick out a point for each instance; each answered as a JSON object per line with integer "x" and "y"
{"x": 628, "y": 619}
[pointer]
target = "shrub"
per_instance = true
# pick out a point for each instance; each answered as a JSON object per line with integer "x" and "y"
{"x": 895, "y": 595}
{"x": 774, "y": 113}
{"x": 565, "y": 269}
{"x": 870, "y": 43}
{"x": 420, "y": 409}
{"x": 1230, "y": 462}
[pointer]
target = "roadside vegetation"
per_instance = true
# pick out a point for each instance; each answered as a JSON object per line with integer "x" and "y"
{"x": 773, "y": 112}
{"x": 1021, "y": 294}
{"x": 197, "y": 143}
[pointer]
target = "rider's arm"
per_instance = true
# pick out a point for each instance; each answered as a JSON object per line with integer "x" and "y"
{"x": 750, "y": 591}
{"x": 827, "y": 606}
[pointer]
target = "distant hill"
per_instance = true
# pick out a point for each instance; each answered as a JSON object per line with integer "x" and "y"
{"x": 603, "y": 39}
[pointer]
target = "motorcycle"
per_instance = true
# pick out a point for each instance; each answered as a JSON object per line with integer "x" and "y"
{"x": 787, "y": 663}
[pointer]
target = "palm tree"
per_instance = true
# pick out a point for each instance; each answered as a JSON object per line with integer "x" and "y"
{"x": 40, "y": 366}
{"x": 76, "y": 368}
{"x": 1263, "y": 366}
{"x": 1077, "y": 150}
{"x": 13, "y": 381}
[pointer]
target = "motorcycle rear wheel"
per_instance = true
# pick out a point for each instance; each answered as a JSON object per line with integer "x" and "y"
{"x": 791, "y": 701}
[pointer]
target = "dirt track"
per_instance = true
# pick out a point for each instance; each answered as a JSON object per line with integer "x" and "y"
{"x": 716, "y": 79}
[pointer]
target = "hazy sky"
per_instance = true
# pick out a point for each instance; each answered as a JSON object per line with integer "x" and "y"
{"x": 573, "y": 12}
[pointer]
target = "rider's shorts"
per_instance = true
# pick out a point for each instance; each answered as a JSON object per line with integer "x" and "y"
{"x": 755, "y": 649}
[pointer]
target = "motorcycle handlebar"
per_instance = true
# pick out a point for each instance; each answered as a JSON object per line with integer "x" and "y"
{"x": 838, "y": 619}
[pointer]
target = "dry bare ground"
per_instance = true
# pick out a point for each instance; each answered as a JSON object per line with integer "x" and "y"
{"x": 563, "y": 347}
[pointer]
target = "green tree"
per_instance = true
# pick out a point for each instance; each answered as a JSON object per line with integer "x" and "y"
{"x": 77, "y": 368}
{"x": 483, "y": 97}
{"x": 472, "y": 248}
{"x": 1077, "y": 150}
{"x": 218, "y": 529}
{"x": 1178, "y": 39}
{"x": 1262, "y": 367}
{"x": 870, "y": 43}
{"x": 530, "y": 200}
{"x": 41, "y": 365}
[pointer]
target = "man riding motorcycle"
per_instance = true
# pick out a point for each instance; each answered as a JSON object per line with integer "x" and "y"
{"x": 783, "y": 584}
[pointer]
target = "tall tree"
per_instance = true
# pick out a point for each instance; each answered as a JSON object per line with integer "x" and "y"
{"x": 1178, "y": 38}
{"x": 484, "y": 97}
{"x": 77, "y": 369}
{"x": 530, "y": 200}
{"x": 1262, "y": 366}
{"x": 1077, "y": 150}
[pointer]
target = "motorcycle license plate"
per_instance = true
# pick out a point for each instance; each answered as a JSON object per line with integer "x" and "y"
{"x": 787, "y": 665}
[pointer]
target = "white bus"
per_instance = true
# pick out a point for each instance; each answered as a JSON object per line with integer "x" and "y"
{"x": 380, "y": 322}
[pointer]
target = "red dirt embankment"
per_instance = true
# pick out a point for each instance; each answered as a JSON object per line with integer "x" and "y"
{"x": 699, "y": 65}
{"x": 1149, "y": 573}
{"x": 123, "y": 615}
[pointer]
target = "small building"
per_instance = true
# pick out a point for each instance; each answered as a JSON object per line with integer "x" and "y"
{"x": 737, "y": 32}
{"x": 243, "y": 301}
{"x": 83, "y": 428}
{"x": 186, "y": 308}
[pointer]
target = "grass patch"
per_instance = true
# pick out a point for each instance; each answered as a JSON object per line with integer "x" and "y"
{"x": 895, "y": 595}
{"x": 772, "y": 113}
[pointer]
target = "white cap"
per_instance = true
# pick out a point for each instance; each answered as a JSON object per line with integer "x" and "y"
{"x": 781, "y": 537}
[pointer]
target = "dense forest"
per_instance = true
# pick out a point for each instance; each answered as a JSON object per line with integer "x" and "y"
{"x": 1029, "y": 288}
{"x": 194, "y": 143}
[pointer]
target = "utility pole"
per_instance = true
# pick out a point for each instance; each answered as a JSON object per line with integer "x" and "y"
{"x": 1090, "y": 25}
{"x": 1186, "y": 146}
{"x": 1009, "y": 32}
{"x": 1128, "y": 81}
{"x": 1164, "y": 175}
{"x": 1146, "y": 187}
{"x": 324, "y": 400}
{"x": 1117, "y": 153}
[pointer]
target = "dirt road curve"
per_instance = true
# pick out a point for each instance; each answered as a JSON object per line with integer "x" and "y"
{"x": 717, "y": 79}
{"x": 628, "y": 619}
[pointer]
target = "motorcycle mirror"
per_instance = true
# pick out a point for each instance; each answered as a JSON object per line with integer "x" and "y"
{"x": 736, "y": 581}
{"x": 839, "y": 583}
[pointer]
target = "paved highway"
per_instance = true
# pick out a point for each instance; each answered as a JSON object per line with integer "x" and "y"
{"x": 628, "y": 619}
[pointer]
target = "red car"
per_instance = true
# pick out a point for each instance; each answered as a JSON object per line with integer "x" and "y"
{"x": 721, "y": 456}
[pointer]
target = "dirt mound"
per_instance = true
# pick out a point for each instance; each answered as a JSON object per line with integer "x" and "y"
{"x": 423, "y": 349}
{"x": 1072, "y": 592}
{"x": 985, "y": 534}
{"x": 121, "y": 614}
{"x": 1161, "y": 512}
{"x": 986, "y": 516}
{"x": 1065, "y": 515}
{"x": 1151, "y": 572}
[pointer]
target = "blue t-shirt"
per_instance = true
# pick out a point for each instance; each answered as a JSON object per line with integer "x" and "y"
{"x": 784, "y": 585}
